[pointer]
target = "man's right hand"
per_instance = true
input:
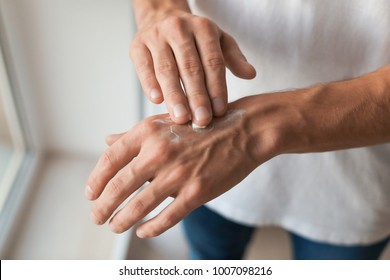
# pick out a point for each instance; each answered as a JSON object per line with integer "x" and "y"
{"x": 181, "y": 58}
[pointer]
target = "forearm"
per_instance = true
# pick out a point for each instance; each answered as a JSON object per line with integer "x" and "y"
{"x": 145, "y": 10}
{"x": 348, "y": 114}
{"x": 340, "y": 115}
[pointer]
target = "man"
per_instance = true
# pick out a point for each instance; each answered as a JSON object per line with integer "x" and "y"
{"x": 334, "y": 55}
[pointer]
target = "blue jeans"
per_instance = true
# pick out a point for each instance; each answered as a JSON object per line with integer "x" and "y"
{"x": 211, "y": 236}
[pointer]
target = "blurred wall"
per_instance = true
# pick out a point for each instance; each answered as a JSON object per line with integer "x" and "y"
{"x": 72, "y": 67}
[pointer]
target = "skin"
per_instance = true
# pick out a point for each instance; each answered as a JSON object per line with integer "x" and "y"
{"x": 173, "y": 46}
{"x": 327, "y": 117}
{"x": 171, "y": 159}
{"x": 192, "y": 150}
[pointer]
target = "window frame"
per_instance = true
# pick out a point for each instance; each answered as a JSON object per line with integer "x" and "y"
{"x": 27, "y": 155}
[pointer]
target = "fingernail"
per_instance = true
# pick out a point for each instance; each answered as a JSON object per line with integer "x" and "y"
{"x": 195, "y": 126}
{"x": 202, "y": 113}
{"x": 219, "y": 105}
{"x": 88, "y": 192}
{"x": 95, "y": 219}
{"x": 179, "y": 111}
{"x": 114, "y": 228}
{"x": 155, "y": 94}
{"x": 141, "y": 234}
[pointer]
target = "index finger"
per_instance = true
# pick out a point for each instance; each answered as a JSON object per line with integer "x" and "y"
{"x": 113, "y": 159}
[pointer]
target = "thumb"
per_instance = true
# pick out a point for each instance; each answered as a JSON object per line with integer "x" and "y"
{"x": 235, "y": 59}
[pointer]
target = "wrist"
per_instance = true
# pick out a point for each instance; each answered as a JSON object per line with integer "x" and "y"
{"x": 151, "y": 10}
{"x": 271, "y": 123}
{"x": 327, "y": 117}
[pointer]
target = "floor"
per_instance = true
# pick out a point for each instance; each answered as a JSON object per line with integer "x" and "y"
{"x": 56, "y": 223}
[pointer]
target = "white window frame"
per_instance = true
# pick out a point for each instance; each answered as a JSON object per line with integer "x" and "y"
{"x": 26, "y": 157}
{"x": 18, "y": 144}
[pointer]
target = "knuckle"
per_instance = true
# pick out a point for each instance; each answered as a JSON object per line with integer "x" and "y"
{"x": 177, "y": 175}
{"x": 204, "y": 23}
{"x": 172, "y": 94}
{"x": 143, "y": 66}
{"x": 178, "y": 30}
{"x": 164, "y": 151}
{"x": 108, "y": 160}
{"x": 136, "y": 42}
{"x": 196, "y": 93}
{"x": 194, "y": 193}
{"x": 174, "y": 23}
{"x": 135, "y": 46}
{"x": 132, "y": 171}
{"x": 115, "y": 187}
{"x": 215, "y": 62}
{"x": 192, "y": 67}
{"x": 149, "y": 126}
{"x": 166, "y": 66}
{"x": 138, "y": 207}
{"x": 197, "y": 189}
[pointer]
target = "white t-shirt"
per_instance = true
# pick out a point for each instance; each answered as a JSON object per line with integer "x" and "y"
{"x": 341, "y": 197}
